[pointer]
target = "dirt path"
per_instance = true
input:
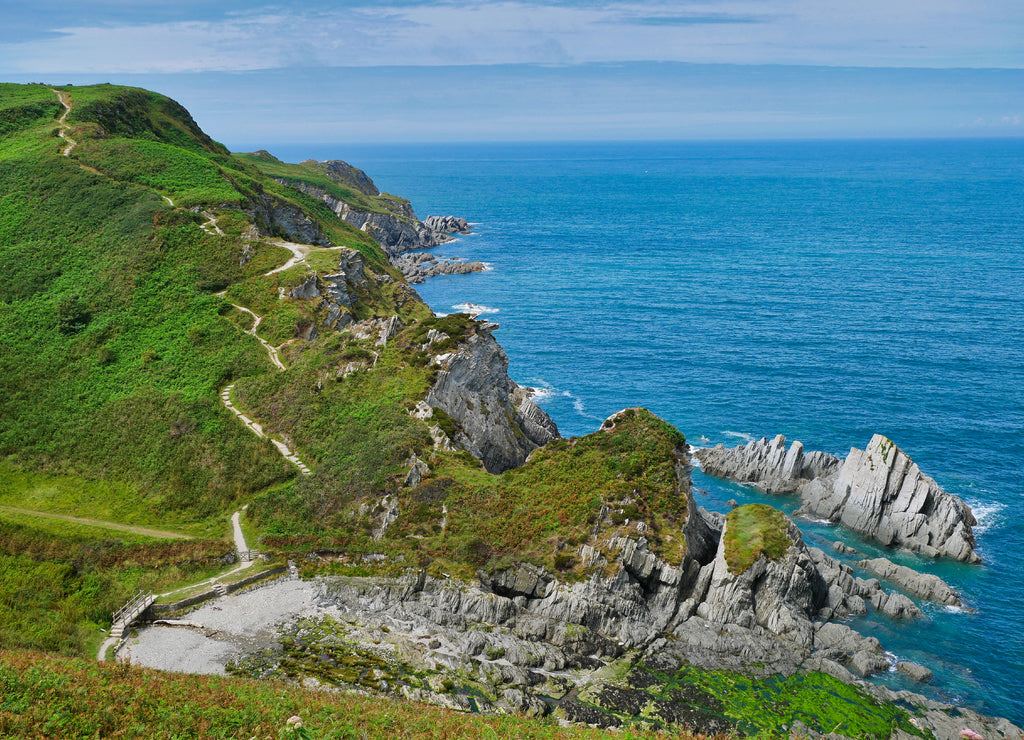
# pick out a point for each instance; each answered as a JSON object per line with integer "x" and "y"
{"x": 210, "y": 227}
{"x": 65, "y": 100}
{"x": 255, "y": 428}
{"x": 271, "y": 349}
{"x": 159, "y": 533}
{"x": 299, "y": 254}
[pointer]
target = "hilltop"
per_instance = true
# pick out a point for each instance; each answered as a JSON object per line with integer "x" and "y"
{"x": 185, "y": 332}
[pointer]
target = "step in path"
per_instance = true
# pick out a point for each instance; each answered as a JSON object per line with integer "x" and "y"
{"x": 255, "y": 428}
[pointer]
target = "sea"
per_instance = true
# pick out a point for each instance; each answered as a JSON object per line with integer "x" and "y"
{"x": 825, "y": 291}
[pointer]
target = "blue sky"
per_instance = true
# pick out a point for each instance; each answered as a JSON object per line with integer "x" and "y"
{"x": 317, "y": 72}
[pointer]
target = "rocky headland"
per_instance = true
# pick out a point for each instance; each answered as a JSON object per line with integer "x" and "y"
{"x": 418, "y": 267}
{"x": 879, "y": 492}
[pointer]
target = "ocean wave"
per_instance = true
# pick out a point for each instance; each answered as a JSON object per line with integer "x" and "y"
{"x": 742, "y": 435}
{"x": 987, "y": 514}
{"x": 475, "y": 308}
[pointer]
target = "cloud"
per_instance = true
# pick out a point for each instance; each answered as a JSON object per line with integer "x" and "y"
{"x": 898, "y": 33}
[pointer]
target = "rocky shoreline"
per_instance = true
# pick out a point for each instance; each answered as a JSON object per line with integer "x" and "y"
{"x": 609, "y": 649}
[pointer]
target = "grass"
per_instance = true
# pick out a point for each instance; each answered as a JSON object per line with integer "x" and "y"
{"x": 754, "y": 530}
{"x": 43, "y": 696}
{"x": 58, "y": 588}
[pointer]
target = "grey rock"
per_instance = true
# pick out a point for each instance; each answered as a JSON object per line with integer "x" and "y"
{"x": 307, "y": 290}
{"x": 898, "y": 606}
{"x": 865, "y": 663}
{"x": 417, "y": 469}
{"x": 418, "y": 267}
{"x": 922, "y": 585}
{"x": 768, "y": 466}
{"x": 499, "y": 423}
{"x": 880, "y": 492}
{"x": 914, "y": 671}
{"x": 447, "y": 224}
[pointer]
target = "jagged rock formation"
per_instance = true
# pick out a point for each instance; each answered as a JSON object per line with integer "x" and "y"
{"x": 447, "y": 224}
{"x": 337, "y": 292}
{"x": 396, "y": 229}
{"x": 878, "y": 492}
{"x": 418, "y": 267}
{"x": 534, "y": 643}
{"x": 923, "y": 585}
{"x": 275, "y": 217}
{"x": 881, "y": 492}
{"x": 497, "y": 421}
{"x": 768, "y": 466}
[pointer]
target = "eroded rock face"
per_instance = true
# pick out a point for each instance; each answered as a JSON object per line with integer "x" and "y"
{"x": 768, "y": 465}
{"x": 499, "y": 423}
{"x": 396, "y": 231}
{"x": 878, "y": 492}
{"x": 881, "y": 492}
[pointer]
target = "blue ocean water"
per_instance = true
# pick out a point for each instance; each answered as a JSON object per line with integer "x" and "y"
{"x": 825, "y": 291}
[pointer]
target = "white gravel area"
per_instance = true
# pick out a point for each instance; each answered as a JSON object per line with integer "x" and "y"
{"x": 223, "y": 628}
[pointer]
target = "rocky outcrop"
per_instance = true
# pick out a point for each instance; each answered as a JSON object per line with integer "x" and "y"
{"x": 397, "y": 229}
{"x": 768, "y": 466}
{"x": 276, "y": 217}
{"x": 878, "y": 492}
{"x": 923, "y": 585}
{"x": 447, "y": 224}
{"x": 335, "y": 293}
{"x": 418, "y": 267}
{"x": 881, "y": 492}
{"x": 496, "y": 420}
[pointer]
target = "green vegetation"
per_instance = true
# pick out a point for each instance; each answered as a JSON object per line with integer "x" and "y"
{"x": 117, "y": 335}
{"x": 43, "y": 696}
{"x": 768, "y": 707}
{"x": 752, "y": 531}
{"x": 59, "y": 587}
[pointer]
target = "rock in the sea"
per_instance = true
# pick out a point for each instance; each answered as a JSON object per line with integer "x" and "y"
{"x": 768, "y": 465}
{"x": 880, "y": 492}
{"x": 914, "y": 671}
{"x": 922, "y": 585}
{"x": 419, "y": 266}
{"x": 447, "y": 224}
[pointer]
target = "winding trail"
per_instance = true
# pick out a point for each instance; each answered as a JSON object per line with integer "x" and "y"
{"x": 210, "y": 227}
{"x": 65, "y": 100}
{"x": 299, "y": 254}
{"x": 255, "y": 428}
{"x": 271, "y": 349}
{"x": 146, "y": 531}
{"x": 240, "y": 545}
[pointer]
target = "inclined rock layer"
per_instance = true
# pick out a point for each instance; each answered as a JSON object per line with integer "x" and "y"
{"x": 878, "y": 492}
{"x": 497, "y": 421}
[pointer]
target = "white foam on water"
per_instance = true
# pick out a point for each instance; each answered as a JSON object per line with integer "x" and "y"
{"x": 742, "y": 435}
{"x": 475, "y": 308}
{"x": 987, "y": 514}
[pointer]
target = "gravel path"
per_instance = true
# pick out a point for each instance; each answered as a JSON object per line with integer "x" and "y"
{"x": 207, "y": 638}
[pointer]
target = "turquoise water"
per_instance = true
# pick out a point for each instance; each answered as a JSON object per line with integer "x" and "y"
{"x": 825, "y": 291}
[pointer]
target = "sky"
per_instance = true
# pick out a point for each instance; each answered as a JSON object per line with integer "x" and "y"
{"x": 301, "y": 71}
